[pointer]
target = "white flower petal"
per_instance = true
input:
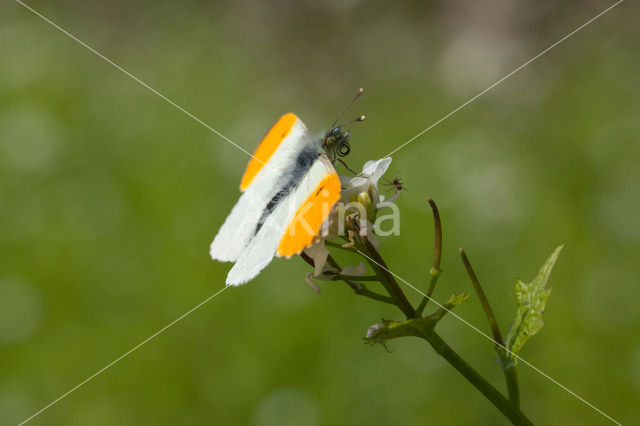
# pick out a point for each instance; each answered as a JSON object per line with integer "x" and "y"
{"x": 369, "y": 167}
{"x": 359, "y": 181}
{"x": 345, "y": 180}
{"x": 381, "y": 167}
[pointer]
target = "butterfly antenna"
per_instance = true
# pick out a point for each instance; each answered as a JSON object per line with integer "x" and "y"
{"x": 356, "y": 96}
{"x": 361, "y": 118}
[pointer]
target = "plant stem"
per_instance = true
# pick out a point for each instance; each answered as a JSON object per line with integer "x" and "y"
{"x": 357, "y": 287}
{"x": 364, "y": 291}
{"x": 507, "y": 366}
{"x": 437, "y": 256}
{"x": 493, "y": 323}
{"x": 388, "y": 281}
{"x": 511, "y": 376}
{"x": 506, "y": 407}
{"x": 333, "y": 263}
{"x": 357, "y": 277}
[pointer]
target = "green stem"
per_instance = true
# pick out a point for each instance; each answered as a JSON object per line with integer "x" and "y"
{"x": 388, "y": 281}
{"x": 507, "y": 366}
{"x": 511, "y": 376}
{"x": 333, "y": 263}
{"x": 356, "y": 277}
{"x": 506, "y": 407}
{"x": 493, "y": 323}
{"x": 364, "y": 291}
{"x": 437, "y": 256}
{"x": 357, "y": 287}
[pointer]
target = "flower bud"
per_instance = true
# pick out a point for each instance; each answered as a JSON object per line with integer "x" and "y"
{"x": 365, "y": 200}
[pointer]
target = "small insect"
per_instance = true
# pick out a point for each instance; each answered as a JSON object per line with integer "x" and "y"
{"x": 289, "y": 188}
{"x": 396, "y": 183}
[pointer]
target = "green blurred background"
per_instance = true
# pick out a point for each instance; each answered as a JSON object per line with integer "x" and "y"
{"x": 110, "y": 197}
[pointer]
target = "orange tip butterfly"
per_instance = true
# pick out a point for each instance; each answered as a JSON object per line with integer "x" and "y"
{"x": 289, "y": 188}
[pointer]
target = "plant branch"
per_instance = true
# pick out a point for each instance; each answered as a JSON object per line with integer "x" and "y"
{"x": 424, "y": 328}
{"x": 511, "y": 376}
{"x": 497, "y": 336}
{"x": 388, "y": 281}
{"x": 357, "y": 287}
{"x": 437, "y": 256}
{"x": 364, "y": 291}
{"x": 357, "y": 277}
{"x": 507, "y": 366}
{"x": 506, "y": 407}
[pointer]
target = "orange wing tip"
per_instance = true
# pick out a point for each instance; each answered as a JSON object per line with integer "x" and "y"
{"x": 307, "y": 223}
{"x": 267, "y": 147}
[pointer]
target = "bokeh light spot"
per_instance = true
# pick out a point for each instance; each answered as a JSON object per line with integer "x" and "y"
{"x": 20, "y": 309}
{"x": 286, "y": 408}
{"x": 28, "y": 138}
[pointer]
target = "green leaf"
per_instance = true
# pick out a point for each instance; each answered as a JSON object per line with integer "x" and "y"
{"x": 531, "y": 299}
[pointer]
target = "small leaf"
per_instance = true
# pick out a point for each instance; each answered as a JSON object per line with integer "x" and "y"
{"x": 380, "y": 333}
{"x": 531, "y": 299}
{"x": 453, "y": 301}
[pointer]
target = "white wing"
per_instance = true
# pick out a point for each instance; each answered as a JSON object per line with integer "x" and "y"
{"x": 262, "y": 248}
{"x": 239, "y": 227}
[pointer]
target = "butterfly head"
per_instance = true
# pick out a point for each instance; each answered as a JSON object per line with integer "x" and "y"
{"x": 336, "y": 140}
{"x": 336, "y": 143}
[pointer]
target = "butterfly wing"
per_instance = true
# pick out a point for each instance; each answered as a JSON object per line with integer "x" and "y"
{"x": 294, "y": 221}
{"x": 266, "y": 173}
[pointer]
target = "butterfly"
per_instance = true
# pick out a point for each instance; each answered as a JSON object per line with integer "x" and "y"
{"x": 289, "y": 187}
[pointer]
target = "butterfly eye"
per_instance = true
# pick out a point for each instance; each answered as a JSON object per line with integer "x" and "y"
{"x": 344, "y": 149}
